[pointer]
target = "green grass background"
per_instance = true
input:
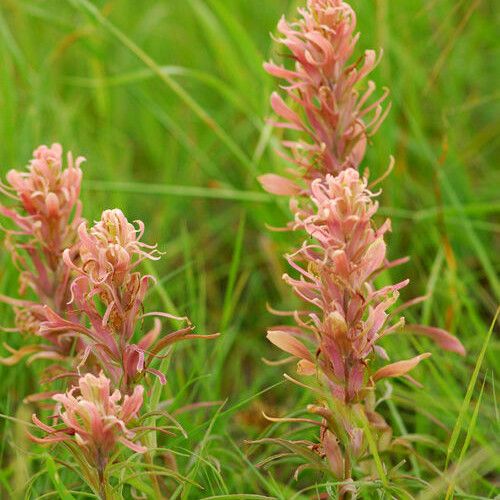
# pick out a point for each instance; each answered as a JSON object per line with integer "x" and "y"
{"x": 168, "y": 102}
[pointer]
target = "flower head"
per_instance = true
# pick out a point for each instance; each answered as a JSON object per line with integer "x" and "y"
{"x": 96, "y": 419}
{"x": 111, "y": 249}
{"x": 49, "y": 197}
{"x": 108, "y": 292}
{"x": 335, "y": 270}
{"x": 324, "y": 86}
{"x": 346, "y": 316}
{"x": 46, "y": 215}
{"x": 109, "y": 253}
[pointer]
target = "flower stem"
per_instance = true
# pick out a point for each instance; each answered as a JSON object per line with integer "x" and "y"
{"x": 154, "y": 478}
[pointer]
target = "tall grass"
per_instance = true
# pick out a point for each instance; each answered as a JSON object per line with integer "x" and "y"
{"x": 167, "y": 101}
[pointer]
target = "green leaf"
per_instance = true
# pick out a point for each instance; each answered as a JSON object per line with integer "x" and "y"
{"x": 460, "y": 423}
{"x": 53, "y": 474}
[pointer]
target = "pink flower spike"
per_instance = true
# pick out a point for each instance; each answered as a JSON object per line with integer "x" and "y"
{"x": 46, "y": 217}
{"x": 95, "y": 419}
{"x": 49, "y": 194}
{"x": 337, "y": 118}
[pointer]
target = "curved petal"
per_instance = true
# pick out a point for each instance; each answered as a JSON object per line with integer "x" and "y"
{"x": 288, "y": 343}
{"x": 443, "y": 339}
{"x": 400, "y": 367}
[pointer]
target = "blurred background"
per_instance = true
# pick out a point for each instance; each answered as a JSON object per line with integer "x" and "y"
{"x": 168, "y": 101}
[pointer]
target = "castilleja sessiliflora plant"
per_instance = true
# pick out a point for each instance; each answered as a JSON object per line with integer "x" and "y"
{"x": 109, "y": 292}
{"x": 92, "y": 424}
{"x": 87, "y": 310}
{"x": 337, "y": 334}
{"x": 46, "y": 214}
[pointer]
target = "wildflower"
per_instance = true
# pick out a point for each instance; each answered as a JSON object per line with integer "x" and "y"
{"x": 109, "y": 253}
{"x": 46, "y": 217}
{"x": 337, "y": 335}
{"x": 111, "y": 249}
{"x": 336, "y": 267}
{"x": 49, "y": 197}
{"x": 336, "y": 339}
{"x": 95, "y": 419}
{"x": 324, "y": 85}
{"x": 109, "y": 291}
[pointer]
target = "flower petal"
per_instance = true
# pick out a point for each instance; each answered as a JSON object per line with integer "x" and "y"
{"x": 400, "y": 367}
{"x": 289, "y": 344}
{"x": 276, "y": 184}
{"x": 443, "y": 339}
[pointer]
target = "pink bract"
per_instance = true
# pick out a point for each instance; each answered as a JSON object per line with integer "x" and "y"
{"x": 46, "y": 215}
{"x": 323, "y": 87}
{"x": 96, "y": 419}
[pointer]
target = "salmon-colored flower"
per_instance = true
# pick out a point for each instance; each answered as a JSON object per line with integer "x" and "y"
{"x": 96, "y": 419}
{"x": 109, "y": 292}
{"x": 336, "y": 266}
{"x": 338, "y": 332}
{"x": 48, "y": 195}
{"x": 111, "y": 249}
{"x": 46, "y": 214}
{"x": 109, "y": 253}
{"x": 323, "y": 87}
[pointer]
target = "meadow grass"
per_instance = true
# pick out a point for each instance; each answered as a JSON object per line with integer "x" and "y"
{"x": 168, "y": 102}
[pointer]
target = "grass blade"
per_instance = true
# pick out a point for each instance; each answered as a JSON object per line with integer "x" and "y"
{"x": 97, "y": 16}
{"x": 184, "y": 191}
{"x": 460, "y": 423}
{"x": 468, "y": 439}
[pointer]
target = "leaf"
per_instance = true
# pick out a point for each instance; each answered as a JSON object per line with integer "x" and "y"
{"x": 297, "y": 448}
{"x": 468, "y": 439}
{"x": 64, "y": 494}
{"x": 460, "y": 423}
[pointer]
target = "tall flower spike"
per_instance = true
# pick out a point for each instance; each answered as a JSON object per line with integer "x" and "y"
{"x": 336, "y": 338}
{"x": 324, "y": 86}
{"x": 95, "y": 419}
{"x": 109, "y": 291}
{"x": 335, "y": 268}
{"x": 338, "y": 331}
{"x": 47, "y": 215}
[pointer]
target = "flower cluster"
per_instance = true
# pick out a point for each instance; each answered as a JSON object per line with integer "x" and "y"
{"x": 336, "y": 118}
{"x": 49, "y": 197}
{"x": 46, "y": 219}
{"x": 95, "y": 419}
{"x": 337, "y": 333}
{"x": 87, "y": 309}
{"x": 337, "y": 337}
{"x": 92, "y": 424}
{"x": 335, "y": 273}
{"x": 109, "y": 292}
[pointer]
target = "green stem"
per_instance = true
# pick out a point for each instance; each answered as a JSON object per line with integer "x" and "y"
{"x": 154, "y": 478}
